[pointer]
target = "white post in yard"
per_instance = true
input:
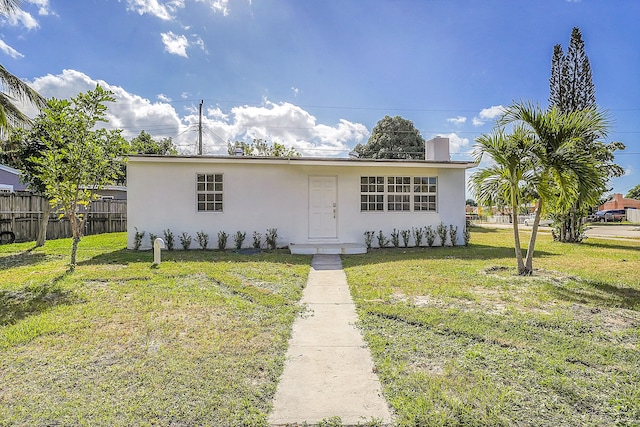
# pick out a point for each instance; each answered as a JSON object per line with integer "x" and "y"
{"x": 158, "y": 244}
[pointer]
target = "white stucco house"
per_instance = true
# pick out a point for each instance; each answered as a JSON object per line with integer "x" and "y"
{"x": 312, "y": 202}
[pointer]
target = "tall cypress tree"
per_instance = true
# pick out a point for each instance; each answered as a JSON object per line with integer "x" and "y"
{"x": 571, "y": 89}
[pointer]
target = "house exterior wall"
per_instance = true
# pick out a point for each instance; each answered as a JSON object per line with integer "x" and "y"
{"x": 619, "y": 202}
{"x": 262, "y": 195}
{"x": 11, "y": 177}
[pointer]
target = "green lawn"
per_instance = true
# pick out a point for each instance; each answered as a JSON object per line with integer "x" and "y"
{"x": 459, "y": 340}
{"x": 198, "y": 341}
{"x": 456, "y": 337}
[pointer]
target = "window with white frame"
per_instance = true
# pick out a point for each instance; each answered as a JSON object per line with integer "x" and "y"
{"x": 425, "y": 190}
{"x": 398, "y": 193}
{"x": 209, "y": 192}
{"x": 371, "y": 193}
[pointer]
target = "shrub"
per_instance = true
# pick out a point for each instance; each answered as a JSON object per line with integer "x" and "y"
{"x": 418, "y": 234}
{"x": 238, "y": 239}
{"x": 406, "y": 235}
{"x": 203, "y": 239}
{"x": 441, "y": 231}
{"x": 137, "y": 239}
{"x": 222, "y": 240}
{"x": 395, "y": 238}
{"x": 257, "y": 240}
{"x": 152, "y": 238}
{"x": 270, "y": 238}
{"x": 168, "y": 239}
{"x": 453, "y": 234}
{"x": 466, "y": 234}
{"x": 430, "y": 235}
{"x": 382, "y": 240}
{"x": 368, "y": 238}
{"x": 185, "y": 240}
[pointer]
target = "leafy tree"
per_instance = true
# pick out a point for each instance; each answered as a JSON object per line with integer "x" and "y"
{"x": 572, "y": 89}
{"x": 13, "y": 89}
{"x": 634, "y": 193}
{"x": 78, "y": 158}
{"x": 144, "y": 144}
{"x": 261, "y": 148}
{"x": 560, "y": 168}
{"x": 393, "y": 138}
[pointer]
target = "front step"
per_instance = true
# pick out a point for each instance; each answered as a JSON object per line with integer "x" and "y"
{"x": 327, "y": 248}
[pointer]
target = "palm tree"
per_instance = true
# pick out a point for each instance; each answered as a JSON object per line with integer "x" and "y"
{"x": 561, "y": 170}
{"x": 13, "y": 89}
{"x": 509, "y": 175}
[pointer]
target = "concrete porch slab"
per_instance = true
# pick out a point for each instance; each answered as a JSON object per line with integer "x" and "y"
{"x": 327, "y": 248}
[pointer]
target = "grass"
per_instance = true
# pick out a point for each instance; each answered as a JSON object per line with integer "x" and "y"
{"x": 458, "y": 339}
{"x": 200, "y": 340}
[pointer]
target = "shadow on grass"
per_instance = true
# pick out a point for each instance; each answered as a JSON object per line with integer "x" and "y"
{"x": 31, "y": 300}
{"x": 125, "y": 256}
{"x": 610, "y": 244}
{"x": 25, "y": 258}
{"x": 600, "y": 294}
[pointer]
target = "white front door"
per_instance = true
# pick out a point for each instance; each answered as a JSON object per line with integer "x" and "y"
{"x": 323, "y": 207}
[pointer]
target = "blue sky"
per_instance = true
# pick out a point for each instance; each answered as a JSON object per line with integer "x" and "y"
{"x": 319, "y": 74}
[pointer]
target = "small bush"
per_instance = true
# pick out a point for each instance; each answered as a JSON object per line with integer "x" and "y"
{"x": 441, "y": 230}
{"x": 257, "y": 240}
{"x": 466, "y": 234}
{"x": 382, "y": 240}
{"x": 270, "y": 238}
{"x": 238, "y": 239}
{"x": 152, "y": 238}
{"x": 168, "y": 239}
{"x": 395, "y": 238}
{"x": 185, "y": 240}
{"x": 137, "y": 239}
{"x": 222, "y": 240}
{"x": 203, "y": 239}
{"x": 406, "y": 235}
{"x": 418, "y": 234}
{"x": 368, "y": 238}
{"x": 453, "y": 234}
{"x": 430, "y": 235}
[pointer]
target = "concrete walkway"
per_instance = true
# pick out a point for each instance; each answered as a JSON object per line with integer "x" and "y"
{"x": 328, "y": 371}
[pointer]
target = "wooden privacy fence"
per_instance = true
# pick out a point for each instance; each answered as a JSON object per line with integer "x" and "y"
{"x": 21, "y": 214}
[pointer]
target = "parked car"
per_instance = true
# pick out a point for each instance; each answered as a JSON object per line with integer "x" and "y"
{"x": 543, "y": 222}
{"x": 609, "y": 215}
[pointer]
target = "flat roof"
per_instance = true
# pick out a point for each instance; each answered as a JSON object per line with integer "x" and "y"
{"x": 306, "y": 161}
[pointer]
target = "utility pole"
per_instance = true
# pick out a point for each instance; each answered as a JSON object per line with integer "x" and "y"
{"x": 200, "y": 129}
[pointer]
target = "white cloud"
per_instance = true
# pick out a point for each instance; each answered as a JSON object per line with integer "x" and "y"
{"x": 130, "y": 112}
{"x": 164, "y": 11}
{"x": 219, "y": 6}
{"x": 23, "y": 19}
{"x": 175, "y": 44}
{"x": 162, "y": 97}
{"x": 9, "y": 50}
{"x": 457, "y": 120}
{"x": 295, "y": 90}
{"x": 285, "y": 123}
{"x": 490, "y": 113}
{"x": 43, "y": 7}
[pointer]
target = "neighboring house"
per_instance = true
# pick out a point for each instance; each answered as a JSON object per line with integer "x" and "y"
{"x": 113, "y": 192}
{"x": 310, "y": 201}
{"x": 10, "y": 179}
{"x": 619, "y": 202}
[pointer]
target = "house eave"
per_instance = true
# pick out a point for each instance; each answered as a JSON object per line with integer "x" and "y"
{"x": 303, "y": 161}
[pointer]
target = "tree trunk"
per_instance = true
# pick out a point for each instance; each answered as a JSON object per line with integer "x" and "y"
{"x": 44, "y": 222}
{"x": 528, "y": 268}
{"x": 74, "y": 250}
{"x": 516, "y": 235}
